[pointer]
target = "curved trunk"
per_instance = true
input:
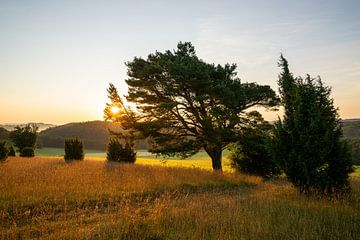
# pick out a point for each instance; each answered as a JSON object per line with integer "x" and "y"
{"x": 215, "y": 155}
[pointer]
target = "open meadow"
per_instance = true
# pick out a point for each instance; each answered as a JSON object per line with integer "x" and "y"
{"x": 46, "y": 198}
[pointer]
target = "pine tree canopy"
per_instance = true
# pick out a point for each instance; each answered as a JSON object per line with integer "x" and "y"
{"x": 185, "y": 104}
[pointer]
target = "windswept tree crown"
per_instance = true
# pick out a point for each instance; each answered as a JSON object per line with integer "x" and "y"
{"x": 186, "y": 104}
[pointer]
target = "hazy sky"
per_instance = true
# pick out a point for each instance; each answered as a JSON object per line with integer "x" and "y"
{"x": 58, "y": 57}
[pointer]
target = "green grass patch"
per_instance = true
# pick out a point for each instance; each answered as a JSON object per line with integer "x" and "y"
{"x": 57, "y": 152}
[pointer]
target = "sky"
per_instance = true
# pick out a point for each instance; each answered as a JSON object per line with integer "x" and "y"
{"x": 58, "y": 57}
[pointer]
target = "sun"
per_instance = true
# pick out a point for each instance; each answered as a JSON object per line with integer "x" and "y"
{"x": 115, "y": 109}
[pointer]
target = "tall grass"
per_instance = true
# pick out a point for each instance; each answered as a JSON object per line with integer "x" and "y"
{"x": 46, "y": 198}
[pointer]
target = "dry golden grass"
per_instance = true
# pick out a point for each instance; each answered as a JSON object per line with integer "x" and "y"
{"x": 48, "y": 199}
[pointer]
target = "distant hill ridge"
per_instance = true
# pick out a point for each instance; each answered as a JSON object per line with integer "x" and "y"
{"x": 94, "y": 134}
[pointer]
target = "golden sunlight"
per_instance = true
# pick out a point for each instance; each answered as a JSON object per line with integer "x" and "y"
{"x": 115, "y": 109}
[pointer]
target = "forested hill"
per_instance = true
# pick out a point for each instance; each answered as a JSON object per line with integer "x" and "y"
{"x": 94, "y": 134}
{"x": 351, "y": 128}
{"x": 4, "y": 134}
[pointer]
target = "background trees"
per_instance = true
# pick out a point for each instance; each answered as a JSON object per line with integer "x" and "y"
{"x": 24, "y": 139}
{"x": 307, "y": 142}
{"x": 186, "y": 104}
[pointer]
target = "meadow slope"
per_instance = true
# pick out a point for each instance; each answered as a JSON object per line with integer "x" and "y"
{"x": 48, "y": 199}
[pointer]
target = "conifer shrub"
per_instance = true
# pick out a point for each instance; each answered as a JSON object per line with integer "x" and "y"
{"x": 129, "y": 154}
{"x": 117, "y": 152}
{"x": 114, "y": 149}
{"x": 3, "y": 151}
{"x": 307, "y": 142}
{"x": 11, "y": 151}
{"x": 74, "y": 149}
{"x": 27, "y": 152}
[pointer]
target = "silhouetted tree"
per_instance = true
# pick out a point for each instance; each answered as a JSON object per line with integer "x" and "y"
{"x": 185, "y": 104}
{"x": 24, "y": 137}
{"x": 307, "y": 142}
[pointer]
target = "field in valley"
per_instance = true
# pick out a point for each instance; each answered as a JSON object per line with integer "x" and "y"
{"x": 199, "y": 160}
{"x": 46, "y": 198}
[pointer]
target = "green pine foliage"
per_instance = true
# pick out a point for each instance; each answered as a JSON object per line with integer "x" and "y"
{"x": 307, "y": 143}
{"x": 117, "y": 152}
{"x": 3, "y": 151}
{"x": 74, "y": 149}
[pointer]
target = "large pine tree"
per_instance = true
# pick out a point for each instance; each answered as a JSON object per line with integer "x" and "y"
{"x": 185, "y": 104}
{"x": 307, "y": 142}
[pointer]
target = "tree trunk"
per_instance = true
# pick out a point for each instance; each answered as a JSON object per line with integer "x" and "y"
{"x": 215, "y": 155}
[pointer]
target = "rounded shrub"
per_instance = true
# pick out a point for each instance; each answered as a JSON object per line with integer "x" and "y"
{"x": 118, "y": 152}
{"x": 27, "y": 152}
{"x": 3, "y": 151}
{"x": 251, "y": 155}
{"x": 74, "y": 149}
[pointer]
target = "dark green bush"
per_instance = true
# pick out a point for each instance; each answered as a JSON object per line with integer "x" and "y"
{"x": 129, "y": 155}
{"x": 74, "y": 149}
{"x": 116, "y": 152}
{"x": 251, "y": 155}
{"x": 3, "y": 151}
{"x": 27, "y": 152}
{"x": 11, "y": 151}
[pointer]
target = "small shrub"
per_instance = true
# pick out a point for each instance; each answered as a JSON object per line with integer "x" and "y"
{"x": 116, "y": 152}
{"x": 74, "y": 149}
{"x": 129, "y": 155}
{"x": 27, "y": 152}
{"x": 11, "y": 151}
{"x": 251, "y": 155}
{"x": 3, "y": 151}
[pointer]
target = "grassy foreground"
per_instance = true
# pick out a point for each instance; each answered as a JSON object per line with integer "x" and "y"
{"x": 48, "y": 199}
